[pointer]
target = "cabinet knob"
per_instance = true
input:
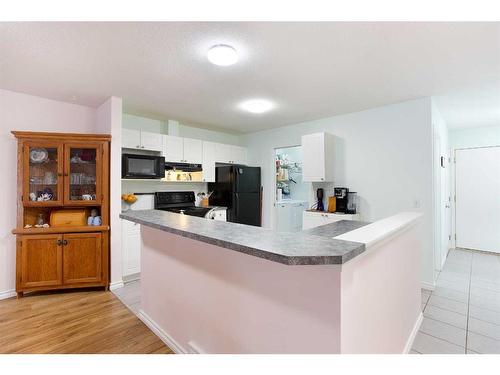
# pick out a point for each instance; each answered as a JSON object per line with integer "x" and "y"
{"x": 59, "y": 242}
{"x": 137, "y": 146}
{"x": 59, "y": 174}
{"x": 65, "y": 242}
{"x": 142, "y": 146}
{"x": 322, "y": 178}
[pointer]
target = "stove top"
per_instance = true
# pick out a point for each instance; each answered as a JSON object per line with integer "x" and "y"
{"x": 192, "y": 211}
{"x": 180, "y": 202}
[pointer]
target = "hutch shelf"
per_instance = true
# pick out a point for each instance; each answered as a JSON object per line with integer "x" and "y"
{"x": 66, "y": 173}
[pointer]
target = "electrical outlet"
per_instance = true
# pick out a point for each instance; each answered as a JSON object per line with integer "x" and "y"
{"x": 417, "y": 203}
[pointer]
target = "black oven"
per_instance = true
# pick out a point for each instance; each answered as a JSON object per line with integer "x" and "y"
{"x": 143, "y": 166}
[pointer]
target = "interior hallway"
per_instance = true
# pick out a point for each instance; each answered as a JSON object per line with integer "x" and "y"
{"x": 462, "y": 315}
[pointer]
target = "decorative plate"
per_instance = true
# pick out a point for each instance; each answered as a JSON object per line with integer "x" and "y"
{"x": 39, "y": 155}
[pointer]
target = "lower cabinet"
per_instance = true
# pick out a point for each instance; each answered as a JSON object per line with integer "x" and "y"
{"x": 41, "y": 260}
{"x": 82, "y": 258}
{"x": 50, "y": 261}
{"x": 131, "y": 248}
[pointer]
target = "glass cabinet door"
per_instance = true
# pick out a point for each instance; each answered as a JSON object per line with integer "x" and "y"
{"x": 82, "y": 174}
{"x": 43, "y": 174}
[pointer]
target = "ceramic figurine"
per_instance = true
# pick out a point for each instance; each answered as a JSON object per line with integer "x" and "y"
{"x": 94, "y": 219}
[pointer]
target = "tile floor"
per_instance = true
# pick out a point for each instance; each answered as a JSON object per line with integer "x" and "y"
{"x": 130, "y": 295}
{"x": 462, "y": 315}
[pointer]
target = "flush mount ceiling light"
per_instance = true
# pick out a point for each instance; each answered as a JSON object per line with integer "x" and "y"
{"x": 256, "y": 105}
{"x": 222, "y": 55}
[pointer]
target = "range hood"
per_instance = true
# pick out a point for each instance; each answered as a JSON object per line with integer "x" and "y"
{"x": 183, "y": 167}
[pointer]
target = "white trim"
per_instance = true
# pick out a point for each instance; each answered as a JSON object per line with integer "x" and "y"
{"x": 116, "y": 285}
{"x": 158, "y": 331}
{"x": 413, "y": 334}
{"x": 7, "y": 294}
{"x": 427, "y": 286}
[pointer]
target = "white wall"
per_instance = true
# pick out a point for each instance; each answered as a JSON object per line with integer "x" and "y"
{"x": 109, "y": 121}
{"x": 157, "y": 126}
{"x": 28, "y": 113}
{"x": 441, "y": 188}
{"x": 475, "y": 137}
{"x": 385, "y": 154}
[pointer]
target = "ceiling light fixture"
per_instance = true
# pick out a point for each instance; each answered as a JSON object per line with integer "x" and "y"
{"x": 257, "y": 105}
{"x": 222, "y": 55}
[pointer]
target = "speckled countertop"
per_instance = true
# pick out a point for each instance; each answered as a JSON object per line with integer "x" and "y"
{"x": 314, "y": 246}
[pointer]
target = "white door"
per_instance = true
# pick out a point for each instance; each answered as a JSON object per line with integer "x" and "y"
{"x": 131, "y": 138}
{"x": 477, "y": 184}
{"x": 209, "y": 161}
{"x": 223, "y": 153}
{"x": 173, "y": 149}
{"x": 313, "y": 166}
{"x": 193, "y": 151}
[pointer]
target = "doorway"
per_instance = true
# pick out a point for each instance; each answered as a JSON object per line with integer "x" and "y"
{"x": 477, "y": 190}
{"x": 291, "y": 193}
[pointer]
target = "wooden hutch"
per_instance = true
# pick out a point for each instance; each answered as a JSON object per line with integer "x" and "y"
{"x": 68, "y": 173}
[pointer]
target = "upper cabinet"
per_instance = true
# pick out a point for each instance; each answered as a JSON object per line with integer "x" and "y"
{"x": 142, "y": 140}
{"x": 230, "y": 154}
{"x": 193, "y": 151}
{"x": 82, "y": 176}
{"x": 151, "y": 141}
{"x": 317, "y": 151}
{"x": 182, "y": 150}
{"x": 58, "y": 172}
{"x": 209, "y": 150}
{"x": 173, "y": 149}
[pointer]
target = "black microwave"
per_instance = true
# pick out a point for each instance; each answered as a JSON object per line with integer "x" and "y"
{"x": 143, "y": 166}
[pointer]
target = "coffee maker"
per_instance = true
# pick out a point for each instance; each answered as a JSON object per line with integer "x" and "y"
{"x": 341, "y": 195}
{"x": 319, "y": 194}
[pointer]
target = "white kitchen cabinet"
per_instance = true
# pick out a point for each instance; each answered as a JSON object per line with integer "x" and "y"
{"x": 230, "y": 154}
{"x": 193, "y": 151}
{"x": 288, "y": 216}
{"x": 313, "y": 219}
{"x": 182, "y": 150}
{"x": 223, "y": 153}
{"x": 317, "y": 153}
{"x": 208, "y": 162}
{"x": 138, "y": 139}
{"x": 131, "y": 138}
{"x": 131, "y": 248}
{"x": 151, "y": 141}
{"x": 173, "y": 148}
{"x": 238, "y": 155}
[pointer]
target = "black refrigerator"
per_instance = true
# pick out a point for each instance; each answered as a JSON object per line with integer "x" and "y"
{"x": 237, "y": 187}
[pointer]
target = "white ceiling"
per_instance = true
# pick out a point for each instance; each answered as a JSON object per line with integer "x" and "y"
{"x": 310, "y": 70}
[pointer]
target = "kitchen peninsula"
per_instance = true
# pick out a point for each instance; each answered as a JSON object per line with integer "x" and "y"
{"x": 218, "y": 287}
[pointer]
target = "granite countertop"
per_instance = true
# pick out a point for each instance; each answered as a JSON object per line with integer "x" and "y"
{"x": 310, "y": 247}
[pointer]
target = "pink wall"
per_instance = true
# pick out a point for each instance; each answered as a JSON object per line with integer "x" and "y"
{"x": 30, "y": 113}
{"x": 227, "y": 302}
{"x": 381, "y": 295}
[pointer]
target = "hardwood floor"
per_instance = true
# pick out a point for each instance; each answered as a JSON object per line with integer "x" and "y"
{"x": 73, "y": 322}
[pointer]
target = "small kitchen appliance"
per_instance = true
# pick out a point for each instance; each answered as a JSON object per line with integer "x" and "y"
{"x": 352, "y": 202}
{"x": 341, "y": 198}
{"x": 143, "y": 166}
{"x": 319, "y": 194}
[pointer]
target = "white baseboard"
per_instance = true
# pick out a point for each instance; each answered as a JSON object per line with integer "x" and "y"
{"x": 132, "y": 277}
{"x": 427, "y": 286}
{"x": 7, "y": 294}
{"x": 158, "y": 331}
{"x": 116, "y": 285}
{"x": 413, "y": 334}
